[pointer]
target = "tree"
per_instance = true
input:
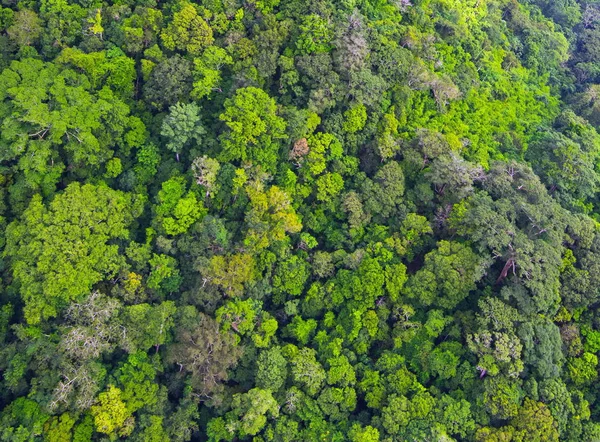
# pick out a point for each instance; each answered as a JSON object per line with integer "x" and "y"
{"x": 249, "y": 411}
{"x": 59, "y": 428}
{"x": 386, "y": 142}
{"x": 207, "y": 71}
{"x": 401, "y": 411}
{"x": 291, "y": 275}
{"x": 501, "y": 397}
{"x": 301, "y": 330}
{"x": 205, "y": 171}
{"x": 181, "y": 126}
{"x": 59, "y": 252}
{"x": 366, "y": 434}
{"x": 351, "y": 46}
{"x": 230, "y": 272}
{"x": 238, "y": 315}
{"x": 316, "y": 35}
{"x": 449, "y": 274}
{"x": 269, "y": 217}
{"x": 563, "y": 159}
{"x": 95, "y": 23}
{"x": 164, "y": 275}
{"x": 53, "y": 116}
{"x": 254, "y": 130}
{"x": 26, "y": 27}
{"x": 583, "y": 370}
{"x": 383, "y": 196}
{"x": 110, "y": 415}
{"x": 337, "y": 403}
{"x": 92, "y": 328}
{"x": 497, "y": 352}
{"x": 453, "y": 177}
{"x": 521, "y": 229}
{"x": 534, "y": 423}
{"x": 188, "y": 31}
{"x": 148, "y": 325}
{"x": 154, "y": 431}
{"x": 176, "y": 209}
{"x": 455, "y": 415}
{"x": 542, "y": 348}
{"x": 306, "y": 371}
{"x": 271, "y": 370}
{"x": 355, "y": 118}
{"x": 64, "y": 23}
{"x": 141, "y": 29}
{"x": 204, "y": 351}
{"x": 170, "y": 82}
{"x": 329, "y": 185}
{"x": 23, "y": 419}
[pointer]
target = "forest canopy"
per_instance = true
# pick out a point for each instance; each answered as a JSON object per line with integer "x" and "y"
{"x": 299, "y": 220}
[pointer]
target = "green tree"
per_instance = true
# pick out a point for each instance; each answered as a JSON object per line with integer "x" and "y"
{"x": 230, "y": 272}
{"x": 449, "y": 274}
{"x": 301, "y": 330}
{"x": 204, "y": 351}
{"x": 583, "y": 370}
{"x": 366, "y": 434}
{"x": 182, "y": 126}
{"x": 501, "y": 397}
{"x": 534, "y": 423}
{"x": 316, "y": 35}
{"x": 254, "y": 130}
{"x": 164, "y": 275}
{"x": 306, "y": 371}
{"x": 169, "y": 82}
{"x": 53, "y": 116}
{"x": 59, "y": 428}
{"x": 22, "y": 420}
{"x": 148, "y": 325}
{"x": 137, "y": 378}
{"x": 205, "y": 172}
{"x": 271, "y": 370}
{"x": 208, "y": 71}
{"x": 455, "y": 415}
{"x": 111, "y": 415}
{"x": 176, "y": 209}
{"x": 85, "y": 220}
{"x": 188, "y": 31}
{"x": 291, "y": 275}
{"x": 26, "y": 27}
{"x": 249, "y": 411}
{"x": 269, "y": 217}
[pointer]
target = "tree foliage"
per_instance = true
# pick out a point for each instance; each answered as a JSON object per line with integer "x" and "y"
{"x": 277, "y": 220}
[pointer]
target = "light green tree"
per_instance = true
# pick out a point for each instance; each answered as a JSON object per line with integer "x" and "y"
{"x": 188, "y": 31}
{"x": 59, "y": 252}
{"x": 254, "y": 130}
{"x": 182, "y": 126}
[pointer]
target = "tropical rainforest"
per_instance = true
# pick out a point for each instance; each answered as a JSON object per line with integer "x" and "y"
{"x": 299, "y": 220}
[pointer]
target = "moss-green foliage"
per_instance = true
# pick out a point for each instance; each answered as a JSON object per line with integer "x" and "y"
{"x": 285, "y": 220}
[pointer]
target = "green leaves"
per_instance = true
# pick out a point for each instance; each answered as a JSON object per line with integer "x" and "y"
{"x": 182, "y": 126}
{"x": 315, "y": 37}
{"x": 59, "y": 252}
{"x": 178, "y": 210}
{"x": 207, "y": 71}
{"x": 356, "y": 220}
{"x": 110, "y": 415}
{"x": 449, "y": 274}
{"x": 254, "y": 130}
{"x": 250, "y": 411}
{"x": 188, "y": 31}
{"x": 54, "y": 116}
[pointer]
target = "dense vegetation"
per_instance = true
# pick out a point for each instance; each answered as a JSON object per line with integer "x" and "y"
{"x": 299, "y": 220}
